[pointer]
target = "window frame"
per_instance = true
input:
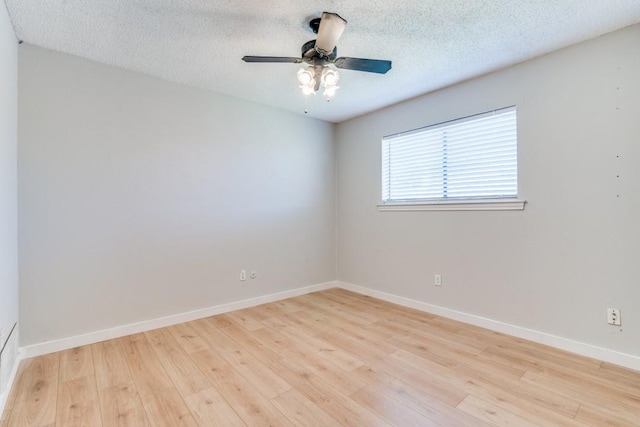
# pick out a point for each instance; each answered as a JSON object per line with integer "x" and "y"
{"x": 482, "y": 203}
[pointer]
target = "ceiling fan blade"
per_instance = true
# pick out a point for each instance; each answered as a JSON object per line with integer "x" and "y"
{"x": 379, "y": 66}
{"x": 272, "y": 59}
{"x": 329, "y": 32}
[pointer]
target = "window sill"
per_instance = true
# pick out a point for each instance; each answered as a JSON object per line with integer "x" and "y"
{"x": 459, "y": 205}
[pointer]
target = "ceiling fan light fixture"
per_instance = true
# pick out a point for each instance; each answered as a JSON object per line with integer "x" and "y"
{"x": 321, "y": 55}
{"x": 330, "y": 91}
{"x": 307, "y": 79}
{"x": 329, "y": 81}
{"x": 306, "y": 76}
{"x": 329, "y": 77}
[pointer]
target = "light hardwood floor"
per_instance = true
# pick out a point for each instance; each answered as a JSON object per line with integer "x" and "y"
{"x": 323, "y": 359}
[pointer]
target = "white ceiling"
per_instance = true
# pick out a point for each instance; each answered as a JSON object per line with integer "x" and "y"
{"x": 432, "y": 43}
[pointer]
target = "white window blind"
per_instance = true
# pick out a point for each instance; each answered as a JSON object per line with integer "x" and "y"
{"x": 466, "y": 159}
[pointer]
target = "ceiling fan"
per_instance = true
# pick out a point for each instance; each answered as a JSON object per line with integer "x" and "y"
{"x": 321, "y": 53}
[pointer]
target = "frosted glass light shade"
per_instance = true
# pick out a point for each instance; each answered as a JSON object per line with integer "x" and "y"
{"x": 306, "y": 76}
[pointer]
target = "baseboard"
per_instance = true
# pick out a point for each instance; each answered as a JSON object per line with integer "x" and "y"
{"x": 4, "y": 395}
{"x": 588, "y": 350}
{"x": 134, "y": 328}
{"x": 583, "y": 349}
{"x": 12, "y": 378}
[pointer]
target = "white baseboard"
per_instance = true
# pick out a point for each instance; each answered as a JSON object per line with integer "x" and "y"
{"x": 588, "y": 350}
{"x": 583, "y": 349}
{"x": 4, "y": 394}
{"x": 147, "y": 325}
{"x": 12, "y": 378}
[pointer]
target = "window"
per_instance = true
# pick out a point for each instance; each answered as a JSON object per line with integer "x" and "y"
{"x": 470, "y": 162}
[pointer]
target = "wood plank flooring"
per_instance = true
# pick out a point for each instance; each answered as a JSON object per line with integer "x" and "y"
{"x": 325, "y": 359}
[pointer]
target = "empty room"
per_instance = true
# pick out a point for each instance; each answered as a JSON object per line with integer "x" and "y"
{"x": 384, "y": 213}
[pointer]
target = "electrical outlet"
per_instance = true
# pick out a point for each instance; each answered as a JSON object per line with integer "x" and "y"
{"x": 243, "y": 275}
{"x": 437, "y": 280}
{"x": 613, "y": 316}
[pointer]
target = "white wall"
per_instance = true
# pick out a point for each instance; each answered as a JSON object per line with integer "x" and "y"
{"x": 141, "y": 198}
{"x": 8, "y": 198}
{"x": 554, "y": 267}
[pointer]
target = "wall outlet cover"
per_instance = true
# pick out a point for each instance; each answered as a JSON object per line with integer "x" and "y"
{"x": 613, "y": 316}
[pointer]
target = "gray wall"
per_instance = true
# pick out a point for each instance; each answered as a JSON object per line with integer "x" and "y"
{"x": 554, "y": 267}
{"x": 141, "y": 198}
{"x": 8, "y": 194}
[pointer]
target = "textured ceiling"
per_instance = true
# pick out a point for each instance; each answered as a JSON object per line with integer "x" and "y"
{"x": 432, "y": 43}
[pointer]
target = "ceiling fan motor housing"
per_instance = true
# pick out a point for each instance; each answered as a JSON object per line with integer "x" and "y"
{"x": 309, "y": 51}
